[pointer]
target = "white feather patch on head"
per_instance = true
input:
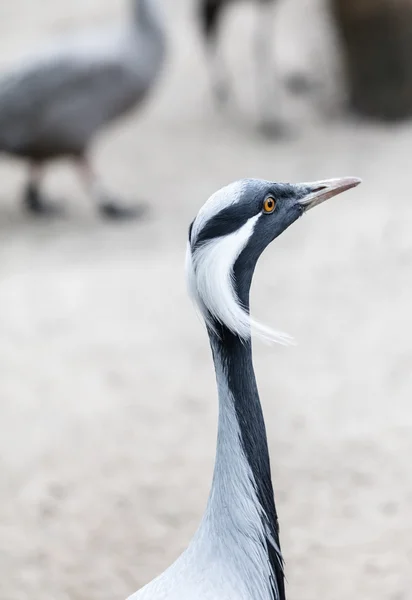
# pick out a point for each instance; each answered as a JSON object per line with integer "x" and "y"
{"x": 209, "y": 272}
{"x": 223, "y": 198}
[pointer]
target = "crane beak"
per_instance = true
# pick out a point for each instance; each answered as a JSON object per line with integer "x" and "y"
{"x": 319, "y": 191}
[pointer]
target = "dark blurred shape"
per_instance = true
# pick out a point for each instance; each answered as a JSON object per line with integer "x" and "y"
{"x": 299, "y": 84}
{"x": 268, "y": 82}
{"x": 376, "y": 40}
{"x": 54, "y": 104}
{"x": 210, "y": 15}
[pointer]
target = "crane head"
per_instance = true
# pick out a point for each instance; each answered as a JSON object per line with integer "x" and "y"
{"x": 228, "y": 235}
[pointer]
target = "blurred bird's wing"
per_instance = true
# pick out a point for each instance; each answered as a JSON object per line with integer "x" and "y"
{"x": 63, "y": 96}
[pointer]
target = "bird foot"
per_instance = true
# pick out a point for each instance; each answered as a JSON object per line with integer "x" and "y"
{"x": 35, "y": 204}
{"x": 299, "y": 84}
{"x": 114, "y": 211}
{"x": 221, "y": 94}
{"x": 274, "y": 129}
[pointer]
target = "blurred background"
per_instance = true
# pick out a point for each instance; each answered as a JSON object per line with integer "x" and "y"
{"x": 107, "y": 394}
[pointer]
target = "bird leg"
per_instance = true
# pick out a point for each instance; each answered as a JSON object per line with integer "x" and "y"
{"x": 210, "y": 15}
{"x": 271, "y": 123}
{"x": 33, "y": 200}
{"x": 108, "y": 206}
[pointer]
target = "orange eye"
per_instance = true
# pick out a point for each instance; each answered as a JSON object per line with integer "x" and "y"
{"x": 269, "y": 205}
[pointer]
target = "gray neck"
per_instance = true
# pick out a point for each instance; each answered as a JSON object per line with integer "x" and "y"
{"x": 147, "y": 16}
{"x": 148, "y": 40}
{"x": 241, "y": 509}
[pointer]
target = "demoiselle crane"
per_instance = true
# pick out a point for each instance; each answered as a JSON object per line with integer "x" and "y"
{"x": 235, "y": 553}
{"x": 55, "y": 101}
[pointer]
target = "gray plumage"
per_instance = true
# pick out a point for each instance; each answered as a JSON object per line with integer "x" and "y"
{"x": 54, "y": 103}
{"x": 235, "y": 553}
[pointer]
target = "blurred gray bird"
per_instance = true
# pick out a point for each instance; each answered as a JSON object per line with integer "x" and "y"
{"x": 53, "y": 103}
{"x": 235, "y": 553}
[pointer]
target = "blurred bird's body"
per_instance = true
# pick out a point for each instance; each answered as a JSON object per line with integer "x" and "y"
{"x": 235, "y": 553}
{"x": 53, "y": 103}
{"x": 268, "y": 84}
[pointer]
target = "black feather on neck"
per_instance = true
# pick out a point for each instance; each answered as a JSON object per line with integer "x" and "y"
{"x": 236, "y": 357}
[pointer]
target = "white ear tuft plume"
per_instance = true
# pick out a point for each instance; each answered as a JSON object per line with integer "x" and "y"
{"x": 209, "y": 271}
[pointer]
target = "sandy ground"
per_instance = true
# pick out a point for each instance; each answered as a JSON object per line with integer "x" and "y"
{"x": 108, "y": 407}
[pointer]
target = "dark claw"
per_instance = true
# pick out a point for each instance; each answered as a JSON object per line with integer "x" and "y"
{"x": 299, "y": 84}
{"x": 221, "y": 94}
{"x": 36, "y": 205}
{"x": 114, "y": 211}
{"x": 272, "y": 129}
